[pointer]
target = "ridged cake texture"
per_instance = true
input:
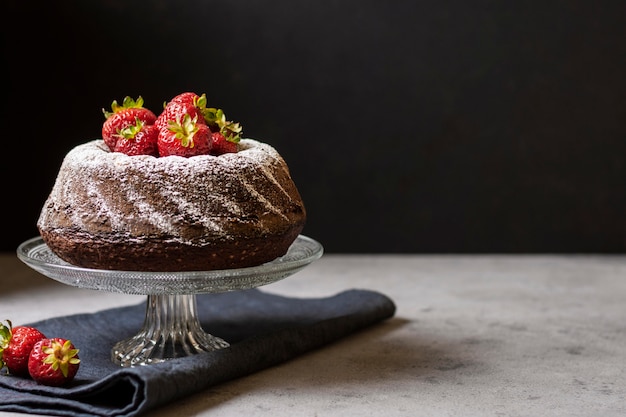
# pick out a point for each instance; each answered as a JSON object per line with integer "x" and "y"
{"x": 108, "y": 210}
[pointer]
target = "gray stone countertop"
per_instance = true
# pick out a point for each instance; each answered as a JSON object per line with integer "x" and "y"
{"x": 473, "y": 335}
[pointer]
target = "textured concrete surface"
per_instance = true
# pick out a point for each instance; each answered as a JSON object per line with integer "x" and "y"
{"x": 472, "y": 336}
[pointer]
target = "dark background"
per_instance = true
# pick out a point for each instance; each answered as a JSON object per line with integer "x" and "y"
{"x": 409, "y": 126}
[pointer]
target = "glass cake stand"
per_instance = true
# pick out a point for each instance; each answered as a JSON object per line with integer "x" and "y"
{"x": 171, "y": 327}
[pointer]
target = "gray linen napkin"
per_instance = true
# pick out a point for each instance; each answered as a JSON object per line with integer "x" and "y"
{"x": 263, "y": 330}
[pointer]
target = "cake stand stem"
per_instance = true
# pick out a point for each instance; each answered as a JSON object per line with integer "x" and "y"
{"x": 171, "y": 330}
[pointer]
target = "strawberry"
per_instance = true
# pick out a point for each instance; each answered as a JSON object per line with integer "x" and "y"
{"x": 123, "y": 116}
{"x": 216, "y": 119}
{"x": 185, "y": 103}
{"x": 53, "y": 361}
{"x": 15, "y": 346}
{"x": 226, "y": 134}
{"x": 184, "y": 137}
{"x": 222, "y": 145}
{"x": 138, "y": 139}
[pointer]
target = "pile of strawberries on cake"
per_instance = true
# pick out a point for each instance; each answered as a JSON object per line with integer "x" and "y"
{"x": 186, "y": 127}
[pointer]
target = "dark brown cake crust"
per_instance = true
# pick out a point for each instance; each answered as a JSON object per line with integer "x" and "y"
{"x": 159, "y": 256}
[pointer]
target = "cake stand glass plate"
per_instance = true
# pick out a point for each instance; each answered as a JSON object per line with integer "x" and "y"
{"x": 171, "y": 328}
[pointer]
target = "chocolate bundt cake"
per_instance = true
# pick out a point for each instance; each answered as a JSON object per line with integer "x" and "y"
{"x": 108, "y": 210}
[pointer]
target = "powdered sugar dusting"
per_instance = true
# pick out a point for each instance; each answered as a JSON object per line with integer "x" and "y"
{"x": 189, "y": 200}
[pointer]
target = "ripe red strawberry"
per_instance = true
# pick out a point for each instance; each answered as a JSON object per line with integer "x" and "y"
{"x": 222, "y": 145}
{"x": 122, "y": 116}
{"x": 226, "y": 134}
{"x": 15, "y": 346}
{"x": 138, "y": 139}
{"x": 53, "y": 361}
{"x": 185, "y": 103}
{"x": 185, "y": 137}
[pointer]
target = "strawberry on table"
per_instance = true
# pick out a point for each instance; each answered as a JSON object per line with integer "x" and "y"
{"x": 185, "y": 137}
{"x": 16, "y": 344}
{"x": 123, "y": 116}
{"x": 53, "y": 361}
{"x": 138, "y": 139}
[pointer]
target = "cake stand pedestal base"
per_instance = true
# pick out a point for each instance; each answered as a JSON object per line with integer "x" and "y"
{"x": 171, "y": 330}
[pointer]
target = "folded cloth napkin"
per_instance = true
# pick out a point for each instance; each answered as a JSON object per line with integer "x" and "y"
{"x": 263, "y": 330}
